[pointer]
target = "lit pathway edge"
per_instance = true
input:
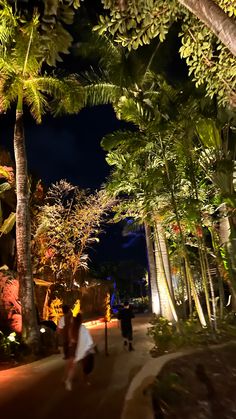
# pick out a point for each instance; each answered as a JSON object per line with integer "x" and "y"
{"x": 138, "y": 402}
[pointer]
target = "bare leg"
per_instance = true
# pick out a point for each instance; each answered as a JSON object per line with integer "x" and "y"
{"x": 70, "y": 372}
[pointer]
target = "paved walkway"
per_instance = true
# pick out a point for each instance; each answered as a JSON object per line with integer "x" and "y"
{"x": 36, "y": 391}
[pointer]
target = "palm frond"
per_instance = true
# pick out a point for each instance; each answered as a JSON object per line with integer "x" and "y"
{"x": 67, "y": 95}
{"x": 133, "y": 111}
{"x": 8, "y": 22}
{"x": 102, "y": 93}
{"x": 36, "y": 100}
{"x": 101, "y": 47}
{"x": 117, "y": 138}
{"x": 10, "y": 85}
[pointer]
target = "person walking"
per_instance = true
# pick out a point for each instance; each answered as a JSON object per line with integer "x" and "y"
{"x": 125, "y": 316}
{"x": 63, "y": 328}
{"x": 81, "y": 349}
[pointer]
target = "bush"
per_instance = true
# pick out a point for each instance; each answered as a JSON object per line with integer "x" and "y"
{"x": 169, "y": 337}
{"x": 8, "y": 346}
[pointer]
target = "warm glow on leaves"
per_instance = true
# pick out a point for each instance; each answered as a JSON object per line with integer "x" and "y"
{"x": 67, "y": 224}
{"x": 49, "y": 253}
{"x": 199, "y": 231}
{"x": 55, "y": 310}
{"x": 175, "y": 228}
{"x": 9, "y": 302}
{"x": 76, "y": 309}
{"x": 7, "y": 172}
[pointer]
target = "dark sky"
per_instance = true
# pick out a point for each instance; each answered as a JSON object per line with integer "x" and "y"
{"x": 67, "y": 147}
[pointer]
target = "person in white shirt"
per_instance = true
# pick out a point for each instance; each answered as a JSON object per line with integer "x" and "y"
{"x": 81, "y": 348}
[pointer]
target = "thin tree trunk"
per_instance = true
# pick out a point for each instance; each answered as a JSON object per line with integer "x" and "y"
{"x": 152, "y": 270}
{"x": 165, "y": 256}
{"x": 186, "y": 258}
{"x": 184, "y": 291}
{"x": 204, "y": 280}
{"x": 223, "y": 271}
{"x": 163, "y": 276}
{"x": 223, "y": 26}
{"x": 30, "y": 329}
{"x": 224, "y": 226}
{"x": 224, "y": 234}
{"x": 188, "y": 289}
{"x": 212, "y": 291}
{"x": 194, "y": 292}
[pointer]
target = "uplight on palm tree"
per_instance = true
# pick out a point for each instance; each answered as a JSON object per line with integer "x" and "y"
{"x": 24, "y": 83}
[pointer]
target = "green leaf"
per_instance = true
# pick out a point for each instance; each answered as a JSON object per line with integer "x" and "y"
{"x": 4, "y": 187}
{"x": 209, "y": 133}
{"x": 8, "y": 224}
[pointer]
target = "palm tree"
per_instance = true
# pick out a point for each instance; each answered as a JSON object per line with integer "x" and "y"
{"x": 155, "y": 300}
{"x": 218, "y": 163}
{"x": 23, "y": 83}
{"x": 147, "y": 101}
{"x": 130, "y": 178}
{"x": 152, "y": 160}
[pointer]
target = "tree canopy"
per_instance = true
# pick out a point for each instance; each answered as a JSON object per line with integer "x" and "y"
{"x": 210, "y": 60}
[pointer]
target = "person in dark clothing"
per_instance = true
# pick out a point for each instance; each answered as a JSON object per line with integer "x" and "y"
{"x": 125, "y": 316}
{"x": 63, "y": 328}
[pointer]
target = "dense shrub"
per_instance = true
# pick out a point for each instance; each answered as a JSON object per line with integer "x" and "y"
{"x": 169, "y": 336}
{"x": 9, "y": 346}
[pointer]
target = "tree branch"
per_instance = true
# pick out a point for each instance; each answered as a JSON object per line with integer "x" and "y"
{"x": 223, "y": 26}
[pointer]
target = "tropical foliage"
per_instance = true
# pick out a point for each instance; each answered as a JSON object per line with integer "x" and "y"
{"x": 6, "y": 173}
{"x": 210, "y": 59}
{"x": 67, "y": 225}
{"x": 24, "y": 82}
{"x": 157, "y": 171}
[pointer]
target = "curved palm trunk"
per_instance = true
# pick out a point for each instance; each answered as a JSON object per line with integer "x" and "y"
{"x": 223, "y": 26}
{"x": 164, "y": 282}
{"x": 155, "y": 300}
{"x": 30, "y": 330}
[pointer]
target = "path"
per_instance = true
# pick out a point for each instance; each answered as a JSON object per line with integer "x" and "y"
{"x": 35, "y": 391}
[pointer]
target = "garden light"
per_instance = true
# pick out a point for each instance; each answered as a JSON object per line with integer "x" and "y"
{"x": 11, "y": 337}
{"x": 42, "y": 330}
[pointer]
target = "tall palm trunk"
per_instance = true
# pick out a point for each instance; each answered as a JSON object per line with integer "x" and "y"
{"x": 189, "y": 274}
{"x": 155, "y": 300}
{"x": 164, "y": 281}
{"x": 223, "y": 26}
{"x": 221, "y": 267}
{"x": 224, "y": 233}
{"x": 30, "y": 328}
{"x": 188, "y": 289}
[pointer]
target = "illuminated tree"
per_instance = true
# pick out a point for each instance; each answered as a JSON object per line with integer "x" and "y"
{"x": 153, "y": 17}
{"x": 208, "y": 36}
{"x": 23, "y": 82}
{"x": 7, "y": 173}
{"x": 67, "y": 225}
